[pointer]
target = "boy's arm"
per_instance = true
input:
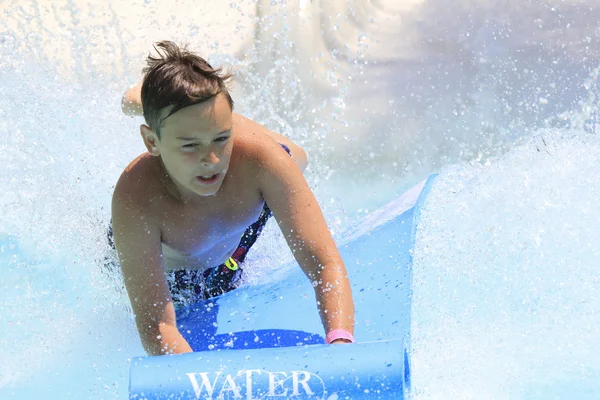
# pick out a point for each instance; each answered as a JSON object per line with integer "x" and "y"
{"x": 138, "y": 244}
{"x": 300, "y": 218}
{"x": 131, "y": 103}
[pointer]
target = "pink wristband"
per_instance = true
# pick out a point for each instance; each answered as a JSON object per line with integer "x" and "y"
{"x": 338, "y": 334}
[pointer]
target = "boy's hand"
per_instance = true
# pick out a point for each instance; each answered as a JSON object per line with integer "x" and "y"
{"x": 340, "y": 341}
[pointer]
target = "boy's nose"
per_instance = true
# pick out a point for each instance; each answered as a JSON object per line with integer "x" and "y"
{"x": 209, "y": 158}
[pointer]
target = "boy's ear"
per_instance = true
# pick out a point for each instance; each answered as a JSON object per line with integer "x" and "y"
{"x": 151, "y": 140}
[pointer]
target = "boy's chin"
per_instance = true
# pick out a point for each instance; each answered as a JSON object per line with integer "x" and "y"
{"x": 205, "y": 194}
{"x": 206, "y": 190}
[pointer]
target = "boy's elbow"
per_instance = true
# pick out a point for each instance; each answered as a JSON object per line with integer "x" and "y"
{"x": 301, "y": 158}
{"x": 130, "y": 107}
{"x": 131, "y": 103}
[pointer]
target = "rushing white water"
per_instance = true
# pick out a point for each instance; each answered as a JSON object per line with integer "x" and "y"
{"x": 506, "y": 289}
{"x": 381, "y": 94}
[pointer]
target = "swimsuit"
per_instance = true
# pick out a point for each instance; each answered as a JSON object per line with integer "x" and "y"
{"x": 189, "y": 286}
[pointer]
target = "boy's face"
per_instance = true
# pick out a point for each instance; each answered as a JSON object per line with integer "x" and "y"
{"x": 195, "y": 146}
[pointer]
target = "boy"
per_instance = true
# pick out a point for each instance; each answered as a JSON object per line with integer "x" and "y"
{"x": 205, "y": 182}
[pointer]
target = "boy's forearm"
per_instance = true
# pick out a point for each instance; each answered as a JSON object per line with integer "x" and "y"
{"x": 334, "y": 300}
{"x": 166, "y": 339}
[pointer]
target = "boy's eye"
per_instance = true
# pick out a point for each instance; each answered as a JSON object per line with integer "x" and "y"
{"x": 222, "y": 139}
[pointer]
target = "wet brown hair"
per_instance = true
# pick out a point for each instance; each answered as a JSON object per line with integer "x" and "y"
{"x": 178, "y": 78}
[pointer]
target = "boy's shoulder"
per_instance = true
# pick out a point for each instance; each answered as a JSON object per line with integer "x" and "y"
{"x": 255, "y": 143}
{"x": 139, "y": 181}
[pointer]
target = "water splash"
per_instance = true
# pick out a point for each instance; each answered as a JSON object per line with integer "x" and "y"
{"x": 375, "y": 118}
{"x": 506, "y": 298}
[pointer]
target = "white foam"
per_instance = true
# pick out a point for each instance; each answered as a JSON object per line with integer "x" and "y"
{"x": 506, "y": 284}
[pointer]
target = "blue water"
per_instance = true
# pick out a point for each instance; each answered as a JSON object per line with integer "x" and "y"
{"x": 501, "y": 98}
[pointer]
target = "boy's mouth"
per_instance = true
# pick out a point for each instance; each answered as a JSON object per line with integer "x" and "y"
{"x": 208, "y": 179}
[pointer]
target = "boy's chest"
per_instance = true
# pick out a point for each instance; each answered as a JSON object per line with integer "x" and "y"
{"x": 217, "y": 225}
